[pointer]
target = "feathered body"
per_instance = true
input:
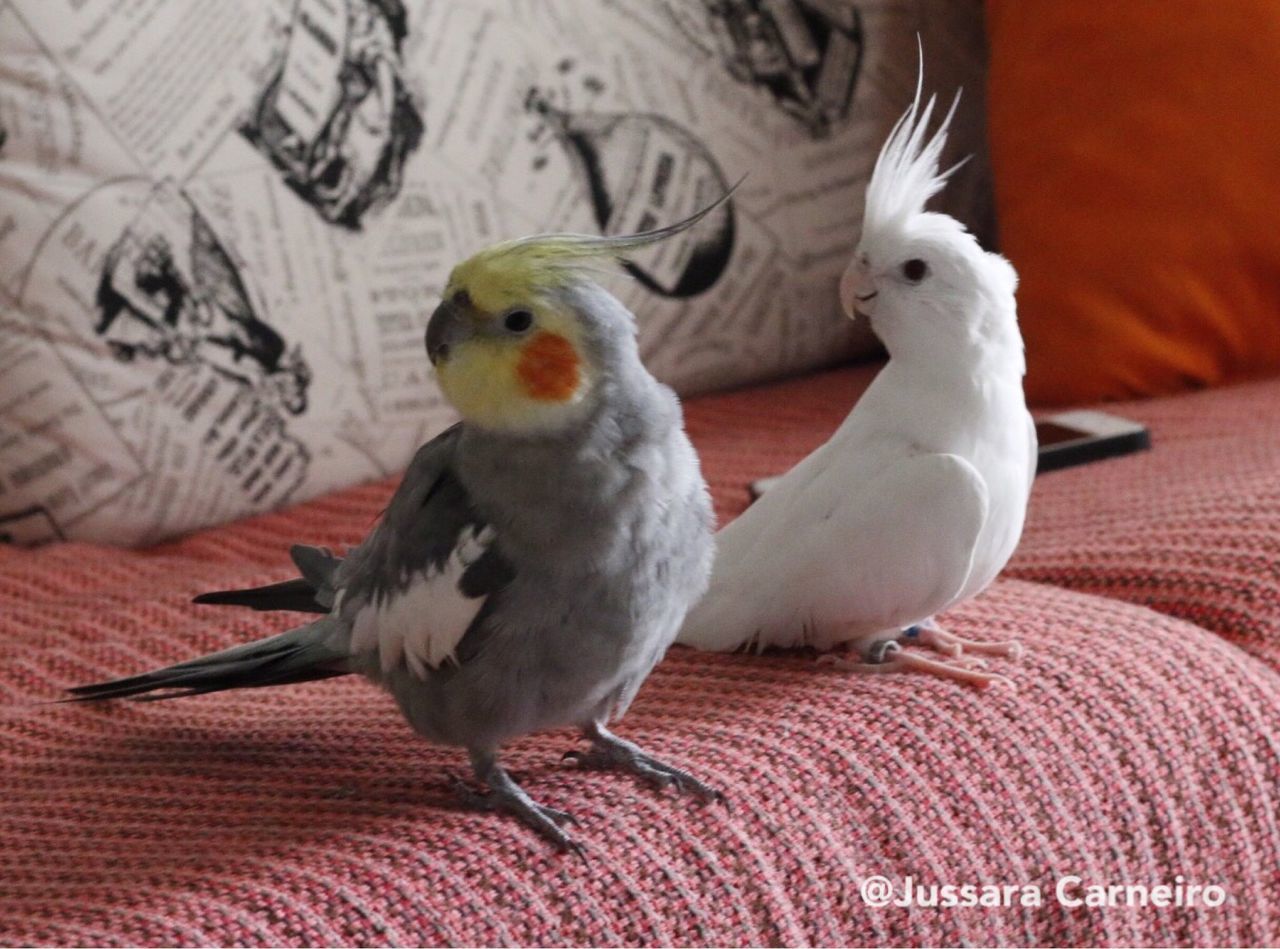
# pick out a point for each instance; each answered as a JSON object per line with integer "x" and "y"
{"x": 609, "y": 523}
{"x": 537, "y": 559}
{"x": 917, "y": 501}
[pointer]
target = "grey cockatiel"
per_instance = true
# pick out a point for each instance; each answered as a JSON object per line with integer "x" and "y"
{"x": 917, "y": 502}
{"x": 537, "y": 559}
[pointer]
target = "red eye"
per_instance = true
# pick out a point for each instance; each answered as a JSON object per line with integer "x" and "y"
{"x": 915, "y": 270}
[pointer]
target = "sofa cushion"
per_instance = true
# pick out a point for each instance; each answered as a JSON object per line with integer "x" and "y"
{"x": 1190, "y": 528}
{"x": 223, "y": 225}
{"x": 1138, "y": 748}
{"x": 1136, "y": 193}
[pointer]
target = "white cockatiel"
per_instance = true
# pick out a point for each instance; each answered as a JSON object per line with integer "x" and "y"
{"x": 917, "y": 501}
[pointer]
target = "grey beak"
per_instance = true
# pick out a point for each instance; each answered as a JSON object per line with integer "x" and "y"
{"x": 447, "y": 327}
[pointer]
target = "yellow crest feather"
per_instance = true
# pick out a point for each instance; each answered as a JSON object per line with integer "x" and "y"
{"x": 514, "y": 272}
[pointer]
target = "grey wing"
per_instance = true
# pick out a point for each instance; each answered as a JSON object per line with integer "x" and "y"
{"x": 315, "y": 591}
{"x": 414, "y": 588}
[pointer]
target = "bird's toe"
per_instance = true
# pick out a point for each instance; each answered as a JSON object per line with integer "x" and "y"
{"x": 506, "y": 795}
{"x": 614, "y": 754}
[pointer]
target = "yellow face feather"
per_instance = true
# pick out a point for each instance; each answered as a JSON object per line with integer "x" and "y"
{"x": 519, "y": 384}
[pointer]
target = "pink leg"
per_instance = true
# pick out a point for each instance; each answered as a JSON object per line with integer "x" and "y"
{"x": 931, "y": 634}
{"x": 899, "y": 660}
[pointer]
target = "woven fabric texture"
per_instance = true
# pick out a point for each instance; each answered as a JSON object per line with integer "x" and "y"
{"x": 1139, "y": 747}
{"x": 1191, "y": 528}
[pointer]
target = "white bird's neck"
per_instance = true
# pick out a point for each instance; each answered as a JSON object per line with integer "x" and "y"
{"x": 938, "y": 386}
{"x": 985, "y": 346}
{"x": 992, "y": 360}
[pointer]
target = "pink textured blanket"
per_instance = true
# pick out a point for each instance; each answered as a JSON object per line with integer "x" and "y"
{"x": 1139, "y": 749}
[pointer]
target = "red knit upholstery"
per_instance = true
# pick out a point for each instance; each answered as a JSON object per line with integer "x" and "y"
{"x": 1191, "y": 528}
{"x": 1138, "y": 748}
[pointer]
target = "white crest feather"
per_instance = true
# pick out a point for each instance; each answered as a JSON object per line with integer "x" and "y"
{"x": 906, "y": 172}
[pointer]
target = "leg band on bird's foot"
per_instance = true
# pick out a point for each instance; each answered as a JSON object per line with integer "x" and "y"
{"x": 611, "y": 753}
{"x": 506, "y": 795}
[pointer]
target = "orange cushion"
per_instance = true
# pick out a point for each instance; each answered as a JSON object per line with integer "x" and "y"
{"x": 1136, "y": 152}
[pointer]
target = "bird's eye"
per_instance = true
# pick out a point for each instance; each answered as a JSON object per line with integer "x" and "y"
{"x": 915, "y": 270}
{"x": 517, "y": 321}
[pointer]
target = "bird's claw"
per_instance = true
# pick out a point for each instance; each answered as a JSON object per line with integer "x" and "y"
{"x": 546, "y": 821}
{"x": 619, "y": 755}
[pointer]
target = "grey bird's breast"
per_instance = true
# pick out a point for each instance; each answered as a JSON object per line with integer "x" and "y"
{"x": 610, "y": 544}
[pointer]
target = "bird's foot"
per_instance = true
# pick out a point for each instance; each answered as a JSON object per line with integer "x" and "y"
{"x": 506, "y": 795}
{"x": 611, "y": 753}
{"x": 893, "y": 658}
{"x": 929, "y": 633}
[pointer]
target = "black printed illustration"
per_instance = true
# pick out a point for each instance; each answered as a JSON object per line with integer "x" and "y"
{"x": 28, "y": 527}
{"x": 641, "y": 171}
{"x": 187, "y": 302}
{"x": 336, "y": 117}
{"x": 174, "y": 303}
{"x": 804, "y": 53}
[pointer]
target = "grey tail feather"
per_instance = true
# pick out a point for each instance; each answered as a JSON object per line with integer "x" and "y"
{"x": 311, "y": 593}
{"x": 297, "y": 595}
{"x": 299, "y": 655}
{"x": 317, "y": 566}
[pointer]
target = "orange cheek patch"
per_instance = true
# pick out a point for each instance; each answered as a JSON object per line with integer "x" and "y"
{"x": 549, "y": 368}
